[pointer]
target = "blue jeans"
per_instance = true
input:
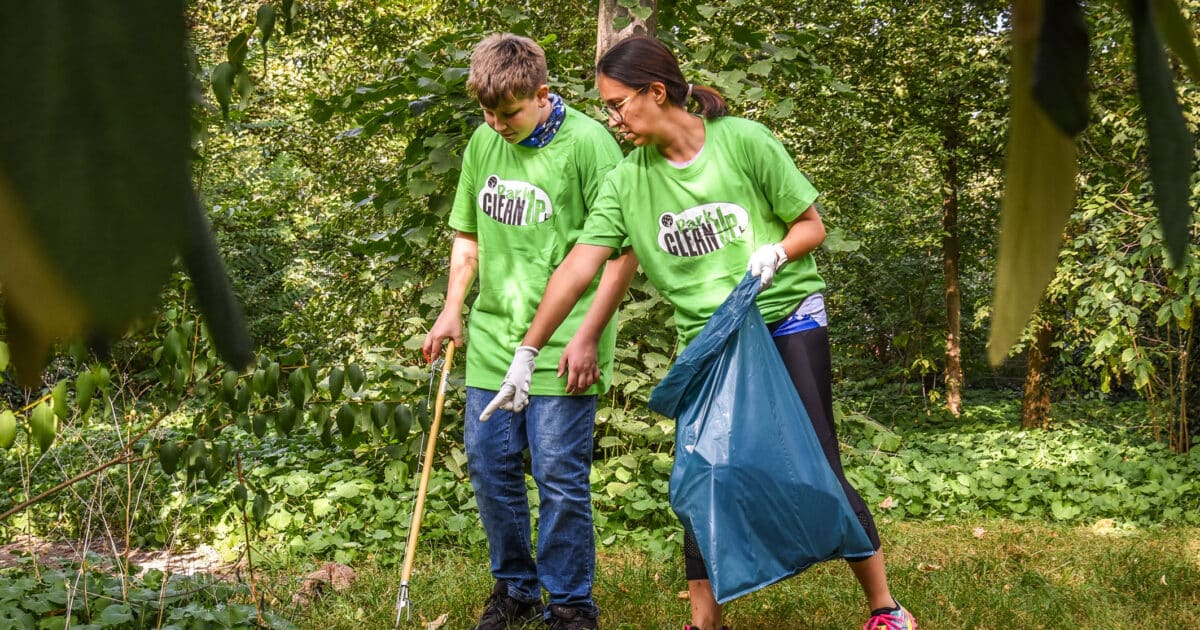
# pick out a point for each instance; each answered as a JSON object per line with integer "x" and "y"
{"x": 557, "y": 430}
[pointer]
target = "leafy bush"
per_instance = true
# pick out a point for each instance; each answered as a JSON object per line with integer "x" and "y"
{"x": 933, "y": 466}
{"x": 90, "y": 599}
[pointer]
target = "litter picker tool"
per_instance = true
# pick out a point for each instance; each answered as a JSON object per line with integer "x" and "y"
{"x": 403, "y": 603}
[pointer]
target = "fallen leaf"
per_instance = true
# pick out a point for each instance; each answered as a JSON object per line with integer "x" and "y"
{"x": 683, "y": 595}
{"x": 927, "y": 567}
{"x": 438, "y": 623}
{"x": 330, "y": 574}
{"x": 978, "y": 532}
{"x": 887, "y": 504}
{"x": 1163, "y": 580}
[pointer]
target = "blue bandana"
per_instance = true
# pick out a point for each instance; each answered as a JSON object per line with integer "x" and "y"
{"x": 544, "y": 133}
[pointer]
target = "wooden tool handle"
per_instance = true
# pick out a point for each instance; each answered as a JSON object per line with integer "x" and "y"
{"x": 419, "y": 509}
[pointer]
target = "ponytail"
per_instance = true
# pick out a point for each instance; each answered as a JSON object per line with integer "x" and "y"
{"x": 712, "y": 104}
{"x": 640, "y": 61}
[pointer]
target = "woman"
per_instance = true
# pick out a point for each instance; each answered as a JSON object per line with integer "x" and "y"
{"x": 703, "y": 198}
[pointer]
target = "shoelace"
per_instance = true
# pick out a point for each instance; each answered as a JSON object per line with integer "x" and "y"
{"x": 887, "y": 621}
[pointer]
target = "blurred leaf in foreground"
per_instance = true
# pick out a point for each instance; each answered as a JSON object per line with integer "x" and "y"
{"x": 95, "y": 195}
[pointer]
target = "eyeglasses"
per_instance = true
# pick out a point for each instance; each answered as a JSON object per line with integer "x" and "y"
{"x": 614, "y": 113}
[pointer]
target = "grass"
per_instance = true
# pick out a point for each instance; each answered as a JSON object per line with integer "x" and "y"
{"x": 980, "y": 575}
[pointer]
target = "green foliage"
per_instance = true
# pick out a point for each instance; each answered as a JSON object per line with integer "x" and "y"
{"x": 1127, "y": 312}
{"x": 1040, "y": 186}
{"x": 1038, "y": 194}
{"x": 1177, "y": 34}
{"x": 1059, "y": 82}
{"x": 917, "y": 96}
{"x": 232, "y": 72}
{"x": 328, "y": 184}
{"x": 984, "y": 465}
{"x": 1171, "y": 146}
{"x": 745, "y": 51}
{"x": 91, "y": 598}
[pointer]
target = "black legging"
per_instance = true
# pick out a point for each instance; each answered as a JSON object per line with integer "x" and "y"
{"x": 807, "y": 358}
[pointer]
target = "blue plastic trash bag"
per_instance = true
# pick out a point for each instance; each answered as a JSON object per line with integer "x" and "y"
{"x": 750, "y": 481}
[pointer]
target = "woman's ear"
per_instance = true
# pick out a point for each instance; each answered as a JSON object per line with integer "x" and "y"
{"x": 658, "y": 91}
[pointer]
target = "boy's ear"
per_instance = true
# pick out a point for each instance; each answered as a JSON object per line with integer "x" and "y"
{"x": 542, "y": 96}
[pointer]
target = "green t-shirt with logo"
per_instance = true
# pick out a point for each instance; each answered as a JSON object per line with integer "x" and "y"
{"x": 527, "y": 207}
{"x": 695, "y": 228}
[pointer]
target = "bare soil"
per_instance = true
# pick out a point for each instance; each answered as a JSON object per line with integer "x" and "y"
{"x": 72, "y": 553}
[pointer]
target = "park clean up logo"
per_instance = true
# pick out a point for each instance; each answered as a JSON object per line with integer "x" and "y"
{"x": 701, "y": 230}
{"x": 514, "y": 202}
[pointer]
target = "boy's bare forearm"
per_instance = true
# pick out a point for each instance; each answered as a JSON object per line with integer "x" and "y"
{"x": 464, "y": 262}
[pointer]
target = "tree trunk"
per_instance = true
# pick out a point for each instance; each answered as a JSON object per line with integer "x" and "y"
{"x": 1192, "y": 396}
{"x": 617, "y": 22}
{"x": 1035, "y": 405}
{"x": 950, "y": 259}
{"x": 1182, "y": 438}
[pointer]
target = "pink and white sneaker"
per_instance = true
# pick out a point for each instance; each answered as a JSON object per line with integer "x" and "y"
{"x": 898, "y": 619}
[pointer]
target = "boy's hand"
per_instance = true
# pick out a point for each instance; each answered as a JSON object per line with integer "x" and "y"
{"x": 449, "y": 325}
{"x": 765, "y": 262}
{"x": 514, "y": 391}
{"x": 579, "y": 362}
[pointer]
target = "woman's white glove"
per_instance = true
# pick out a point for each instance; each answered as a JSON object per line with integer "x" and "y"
{"x": 514, "y": 391}
{"x": 765, "y": 262}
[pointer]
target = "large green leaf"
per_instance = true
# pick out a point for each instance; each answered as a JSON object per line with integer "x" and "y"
{"x": 1171, "y": 145}
{"x": 42, "y": 425}
{"x": 222, "y": 85}
{"x": 95, "y": 192}
{"x": 1038, "y": 196}
{"x": 85, "y": 388}
{"x": 217, "y": 302}
{"x": 8, "y": 428}
{"x": 168, "y": 457}
{"x": 1060, "y": 66}
{"x": 289, "y": 12}
{"x": 235, "y": 50}
{"x": 265, "y": 21}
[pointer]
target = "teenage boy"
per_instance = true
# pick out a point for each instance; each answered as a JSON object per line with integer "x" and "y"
{"x": 529, "y": 177}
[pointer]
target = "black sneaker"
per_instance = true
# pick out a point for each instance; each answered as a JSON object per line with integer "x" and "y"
{"x": 503, "y": 611}
{"x": 566, "y": 618}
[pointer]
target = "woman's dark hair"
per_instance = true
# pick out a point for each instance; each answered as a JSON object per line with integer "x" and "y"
{"x": 640, "y": 61}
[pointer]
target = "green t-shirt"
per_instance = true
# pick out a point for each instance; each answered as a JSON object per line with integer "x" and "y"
{"x": 526, "y": 207}
{"x": 694, "y": 228}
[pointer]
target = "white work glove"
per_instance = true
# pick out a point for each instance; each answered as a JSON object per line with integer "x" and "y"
{"x": 765, "y": 262}
{"x": 514, "y": 391}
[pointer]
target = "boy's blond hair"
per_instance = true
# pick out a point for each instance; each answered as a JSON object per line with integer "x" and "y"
{"x": 506, "y": 67}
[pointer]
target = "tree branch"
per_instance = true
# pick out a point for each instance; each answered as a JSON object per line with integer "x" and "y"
{"x": 124, "y": 458}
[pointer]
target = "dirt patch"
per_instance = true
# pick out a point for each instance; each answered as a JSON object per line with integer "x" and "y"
{"x": 204, "y": 560}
